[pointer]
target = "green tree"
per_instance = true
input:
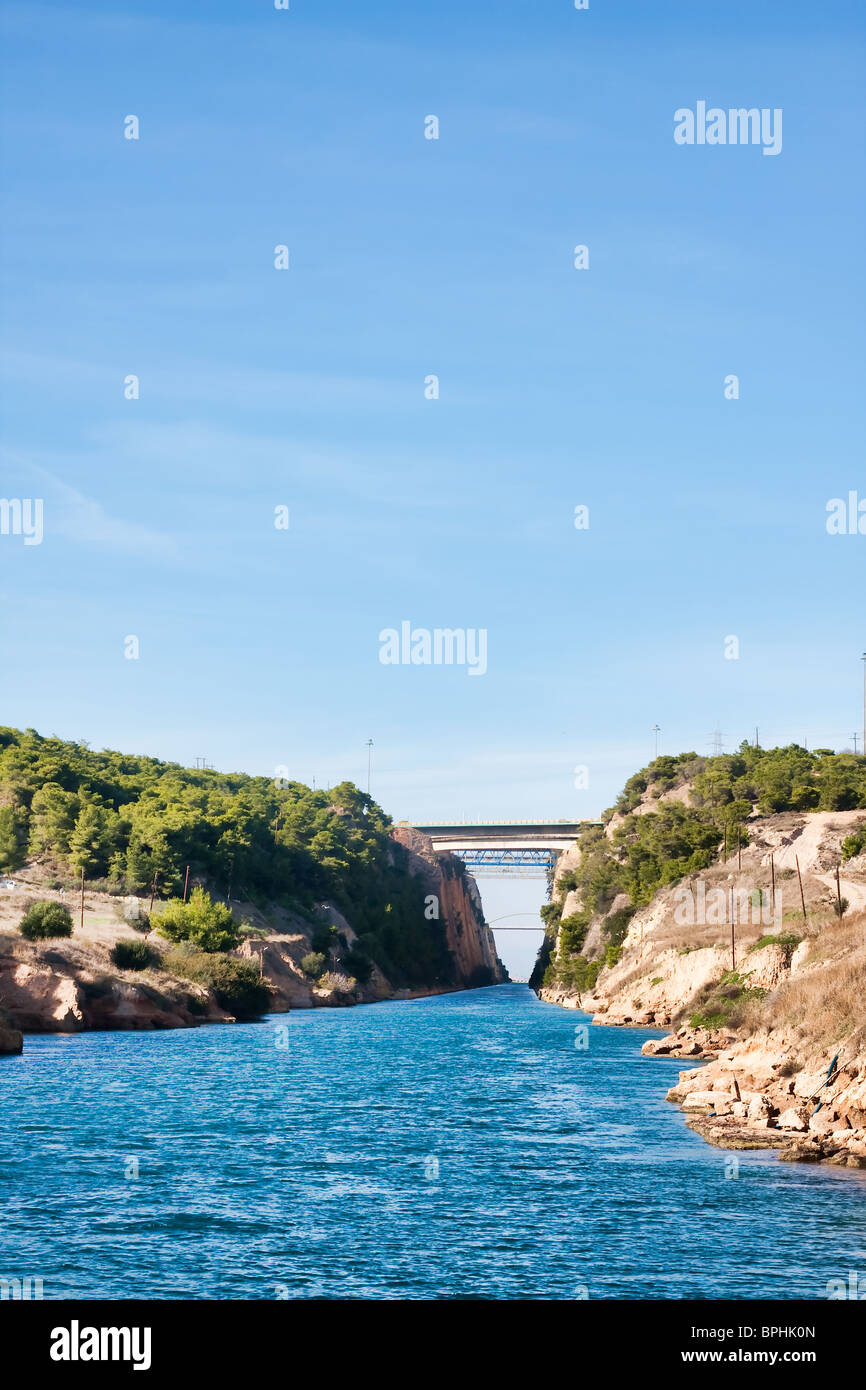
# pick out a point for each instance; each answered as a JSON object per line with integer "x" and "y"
{"x": 93, "y": 839}
{"x": 53, "y": 814}
{"x": 11, "y": 848}
{"x": 203, "y": 923}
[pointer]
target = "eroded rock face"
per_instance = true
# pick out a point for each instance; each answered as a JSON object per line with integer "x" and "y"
{"x": 39, "y": 999}
{"x": 459, "y": 906}
{"x": 67, "y": 989}
{"x": 11, "y": 1040}
{"x": 70, "y": 985}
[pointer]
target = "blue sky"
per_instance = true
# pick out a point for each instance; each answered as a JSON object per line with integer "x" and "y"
{"x": 305, "y": 388}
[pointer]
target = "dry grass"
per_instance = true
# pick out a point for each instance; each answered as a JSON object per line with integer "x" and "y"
{"x": 825, "y": 1003}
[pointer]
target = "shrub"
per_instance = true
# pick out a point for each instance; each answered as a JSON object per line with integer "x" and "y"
{"x": 134, "y": 915}
{"x": 132, "y": 955}
{"x": 574, "y": 972}
{"x": 724, "y": 1003}
{"x": 322, "y": 939}
{"x": 615, "y": 925}
{"x": 203, "y": 923}
{"x": 235, "y": 984}
{"x": 358, "y": 963}
{"x": 313, "y": 964}
{"x": 786, "y": 939}
{"x": 45, "y": 920}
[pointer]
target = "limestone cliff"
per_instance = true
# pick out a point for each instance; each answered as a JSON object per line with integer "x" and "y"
{"x": 761, "y": 979}
{"x": 458, "y": 902}
{"x": 70, "y": 985}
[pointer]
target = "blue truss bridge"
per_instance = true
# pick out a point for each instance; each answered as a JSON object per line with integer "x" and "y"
{"x": 523, "y": 849}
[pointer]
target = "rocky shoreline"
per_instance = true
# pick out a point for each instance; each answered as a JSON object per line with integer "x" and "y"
{"x": 769, "y": 1014}
{"x": 756, "y": 1094}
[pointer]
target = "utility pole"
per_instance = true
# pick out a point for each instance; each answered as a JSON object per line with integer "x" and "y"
{"x": 855, "y": 737}
{"x": 800, "y": 879}
{"x": 82, "y": 897}
{"x": 863, "y": 744}
{"x": 838, "y": 893}
{"x": 152, "y": 894}
{"x": 369, "y": 762}
{"x": 186, "y": 883}
{"x": 656, "y": 730}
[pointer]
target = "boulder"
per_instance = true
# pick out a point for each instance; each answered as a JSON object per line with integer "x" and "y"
{"x": 824, "y": 1122}
{"x": 705, "y": 1101}
{"x": 792, "y": 1119}
{"x": 658, "y": 1047}
{"x": 760, "y": 1108}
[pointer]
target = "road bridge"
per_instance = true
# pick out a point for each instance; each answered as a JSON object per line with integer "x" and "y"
{"x": 524, "y": 849}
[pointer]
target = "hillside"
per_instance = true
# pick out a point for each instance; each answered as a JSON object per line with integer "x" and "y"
{"x": 331, "y": 906}
{"x": 652, "y": 924}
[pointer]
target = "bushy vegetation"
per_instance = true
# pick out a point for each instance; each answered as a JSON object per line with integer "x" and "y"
{"x": 235, "y": 984}
{"x": 132, "y": 955}
{"x": 675, "y": 838}
{"x": 788, "y": 941}
{"x": 722, "y": 1004}
{"x": 356, "y": 962}
{"x": 771, "y": 779}
{"x": 203, "y": 923}
{"x": 126, "y": 819}
{"x": 46, "y": 920}
{"x": 313, "y": 964}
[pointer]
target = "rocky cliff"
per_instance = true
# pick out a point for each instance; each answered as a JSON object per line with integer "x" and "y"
{"x": 763, "y": 985}
{"x": 69, "y": 985}
{"x": 455, "y": 898}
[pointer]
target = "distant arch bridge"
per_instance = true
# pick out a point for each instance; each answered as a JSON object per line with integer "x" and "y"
{"x": 515, "y": 848}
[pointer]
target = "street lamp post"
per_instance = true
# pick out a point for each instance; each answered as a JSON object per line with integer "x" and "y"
{"x": 656, "y": 730}
{"x": 369, "y": 762}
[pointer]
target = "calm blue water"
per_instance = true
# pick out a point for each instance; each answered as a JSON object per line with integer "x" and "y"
{"x": 306, "y": 1168}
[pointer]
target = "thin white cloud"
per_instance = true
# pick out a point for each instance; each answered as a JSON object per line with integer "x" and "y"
{"x": 86, "y": 520}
